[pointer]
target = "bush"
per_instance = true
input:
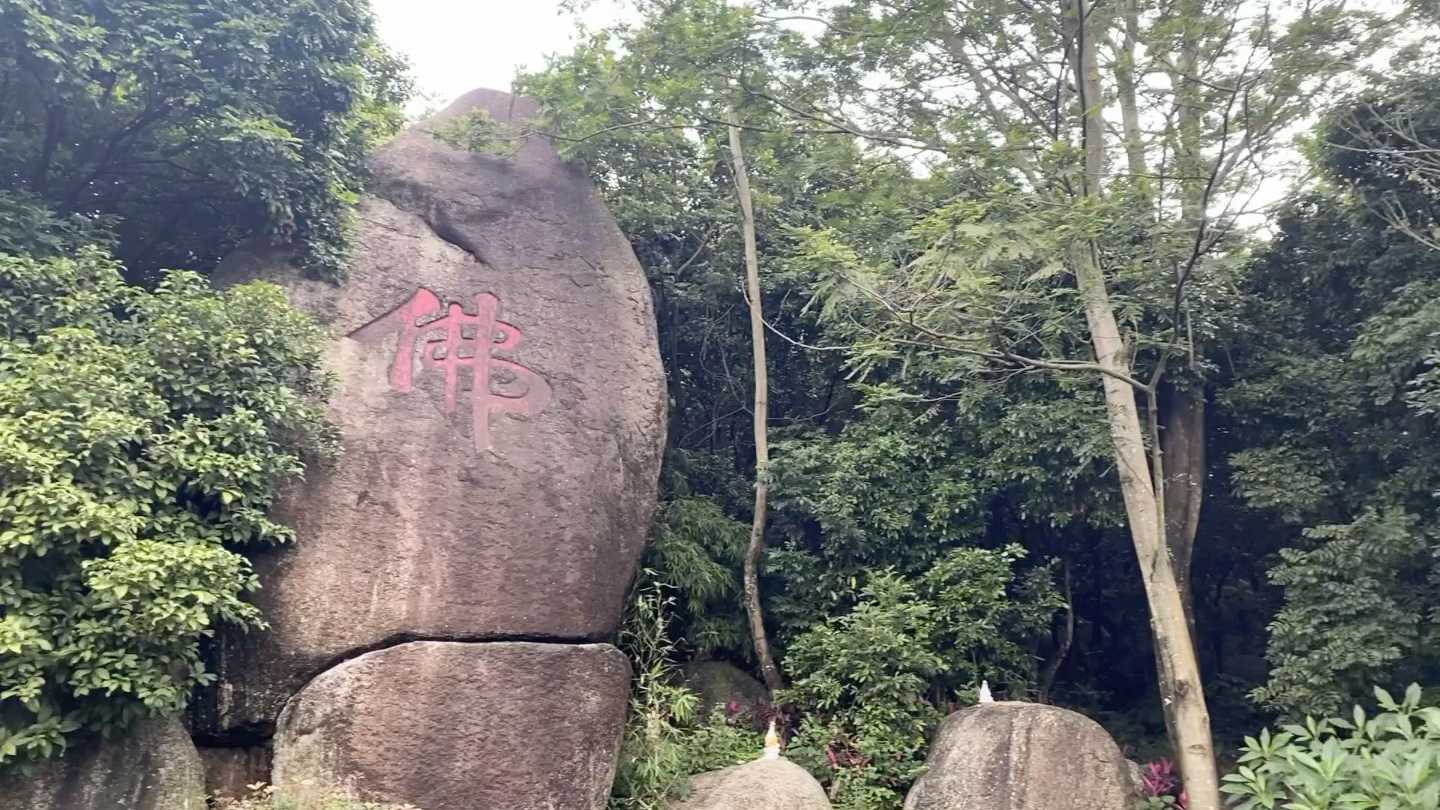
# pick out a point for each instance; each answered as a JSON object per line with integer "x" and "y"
{"x": 143, "y": 436}
{"x": 665, "y": 742}
{"x": 865, "y": 679}
{"x": 876, "y": 681}
{"x": 177, "y": 129}
{"x": 1387, "y": 762}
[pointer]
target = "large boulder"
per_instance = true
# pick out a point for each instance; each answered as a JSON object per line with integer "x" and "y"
{"x": 455, "y": 726}
{"x": 765, "y": 784}
{"x": 501, "y": 408}
{"x": 1022, "y": 756}
{"x": 153, "y": 766}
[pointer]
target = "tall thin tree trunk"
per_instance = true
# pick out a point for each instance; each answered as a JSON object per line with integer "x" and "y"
{"x": 1182, "y": 411}
{"x": 1180, "y": 415}
{"x": 1177, "y": 430}
{"x": 756, "y": 549}
{"x": 1067, "y": 638}
{"x": 1179, "y": 672}
{"x": 1141, "y": 486}
{"x": 1182, "y": 441}
{"x": 1125, "y": 90}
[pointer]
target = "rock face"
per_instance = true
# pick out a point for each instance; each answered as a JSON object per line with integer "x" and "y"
{"x": 1022, "y": 756}
{"x": 774, "y": 784}
{"x": 718, "y": 684}
{"x": 424, "y": 723}
{"x": 501, "y": 407}
{"x": 154, "y": 766}
{"x": 501, "y": 404}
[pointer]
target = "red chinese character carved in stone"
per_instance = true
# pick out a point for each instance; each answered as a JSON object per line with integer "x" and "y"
{"x": 450, "y": 339}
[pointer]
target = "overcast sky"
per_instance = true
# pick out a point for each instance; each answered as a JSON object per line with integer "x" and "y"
{"x": 458, "y": 45}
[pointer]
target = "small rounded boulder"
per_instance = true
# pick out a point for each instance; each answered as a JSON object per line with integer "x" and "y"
{"x": 1022, "y": 756}
{"x": 766, "y": 784}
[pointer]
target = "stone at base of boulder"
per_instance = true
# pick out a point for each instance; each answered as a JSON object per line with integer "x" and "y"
{"x": 1022, "y": 756}
{"x": 153, "y": 766}
{"x": 460, "y": 726}
{"x": 230, "y": 772}
{"x": 765, "y": 784}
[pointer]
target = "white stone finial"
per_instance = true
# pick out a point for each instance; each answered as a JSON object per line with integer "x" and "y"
{"x": 772, "y": 742}
{"x": 985, "y": 696}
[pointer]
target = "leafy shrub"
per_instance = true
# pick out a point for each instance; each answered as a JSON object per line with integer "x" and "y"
{"x": 143, "y": 435}
{"x": 179, "y": 128}
{"x": 665, "y": 742}
{"x": 875, "y": 681}
{"x": 1355, "y": 609}
{"x": 477, "y": 131}
{"x": 1387, "y": 762}
{"x": 865, "y": 676}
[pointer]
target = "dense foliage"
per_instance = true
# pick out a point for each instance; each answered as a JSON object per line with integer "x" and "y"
{"x": 1390, "y": 760}
{"x": 172, "y": 129}
{"x": 1334, "y": 441}
{"x": 143, "y": 435}
{"x": 907, "y": 308}
{"x": 145, "y": 430}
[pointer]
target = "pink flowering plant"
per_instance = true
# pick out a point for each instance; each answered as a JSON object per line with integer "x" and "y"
{"x": 1160, "y": 786}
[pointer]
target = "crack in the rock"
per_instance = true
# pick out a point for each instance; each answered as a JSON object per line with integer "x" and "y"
{"x": 410, "y": 638}
{"x": 416, "y": 204}
{"x": 261, "y": 733}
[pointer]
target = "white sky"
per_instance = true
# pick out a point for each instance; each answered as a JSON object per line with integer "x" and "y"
{"x": 455, "y": 46}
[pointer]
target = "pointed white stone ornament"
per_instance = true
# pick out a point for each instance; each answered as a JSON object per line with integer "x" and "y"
{"x": 985, "y": 696}
{"x": 772, "y": 742}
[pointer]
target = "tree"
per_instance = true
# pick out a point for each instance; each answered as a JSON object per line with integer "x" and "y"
{"x": 756, "y": 549}
{"x": 1328, "y": 392}
{"x": 171, "y": 130}
{"x": 1378, "y": 145}
{"x": 1100, "y": 250}
{"x": 143, "y": 435}
{"x": 655, "y": 133}
{"x": 1333, "y": 392}
{"x": 934, "y": 177}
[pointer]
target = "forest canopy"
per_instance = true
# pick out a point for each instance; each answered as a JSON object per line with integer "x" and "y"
{"x": 170, "y": 130}
{"x": 1058, "y": 339}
